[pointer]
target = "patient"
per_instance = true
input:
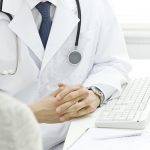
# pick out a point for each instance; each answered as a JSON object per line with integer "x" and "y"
{"x": 18, "y": 127}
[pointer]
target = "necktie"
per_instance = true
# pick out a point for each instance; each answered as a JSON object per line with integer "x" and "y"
{"x": 44, "y": 9}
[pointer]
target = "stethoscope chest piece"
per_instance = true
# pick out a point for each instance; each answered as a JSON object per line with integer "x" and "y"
{"x": 75, "y": 57}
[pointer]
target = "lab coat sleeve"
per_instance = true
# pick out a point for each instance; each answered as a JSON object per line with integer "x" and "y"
{"x": 111, "y": 65}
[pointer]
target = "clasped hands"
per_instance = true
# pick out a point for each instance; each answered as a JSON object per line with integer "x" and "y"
{"x": 64, "y": 104}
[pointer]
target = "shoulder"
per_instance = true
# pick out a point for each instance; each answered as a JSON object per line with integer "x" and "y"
{"x": 98, "y": 11}
{"x": 100, "y": 4}
{"x": 97, "y": 8}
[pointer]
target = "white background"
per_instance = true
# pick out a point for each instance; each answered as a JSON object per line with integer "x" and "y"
{"x": 134, "y": 17}
{"x": 132, "y": 7}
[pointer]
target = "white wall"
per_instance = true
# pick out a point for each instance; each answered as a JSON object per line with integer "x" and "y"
{"x": 137, "y": 37}
{"x": 134, "y": 17}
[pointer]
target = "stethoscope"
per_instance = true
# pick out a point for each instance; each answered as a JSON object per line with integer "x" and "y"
{"x": 10, "y": 71}
{"x": 74, "y": 56}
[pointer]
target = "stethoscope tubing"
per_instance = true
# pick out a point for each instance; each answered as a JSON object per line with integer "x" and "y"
{"x": 17, "y": 49}
{"x": 79, "y": 24}
{"x": 17, "y": 61}
{"x": 1, "y": 5}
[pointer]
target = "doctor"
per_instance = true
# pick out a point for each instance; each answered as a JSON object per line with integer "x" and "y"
{"x": 62, "y": 61}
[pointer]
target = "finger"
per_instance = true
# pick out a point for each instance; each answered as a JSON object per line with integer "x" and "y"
{"x": 80, "y": 113}
{"x": 78, "y": 106}
{"x": 63, "y": 107}
{"x": 67, "y": 117}
{"x": 81, "y": 105}
{"x": 56, "y": 92}
{"x": 85, "y": 103}
{"x": 85, "y": 111}
{"x": 83, "y": 93}
{"x": 67, "y": 90}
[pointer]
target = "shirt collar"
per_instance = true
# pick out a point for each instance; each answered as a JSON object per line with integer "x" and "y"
{"x": 54, "y": 2}
{"x": 12, "y": 6}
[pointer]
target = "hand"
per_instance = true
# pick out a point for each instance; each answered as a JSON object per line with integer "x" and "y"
{"x": 45, "y": 109}
{"x": 71, "y": 94}
{"x": 76, "y": 101}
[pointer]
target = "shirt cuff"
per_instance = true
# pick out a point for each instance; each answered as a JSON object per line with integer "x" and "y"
{"x": 107, "y": 91}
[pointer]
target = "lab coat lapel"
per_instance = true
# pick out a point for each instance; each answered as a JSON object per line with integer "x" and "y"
{"x": 64, "y": 22}
{"x": 24, "y": 26}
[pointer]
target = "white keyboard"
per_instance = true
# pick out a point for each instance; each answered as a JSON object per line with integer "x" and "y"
{"x": 131, "y": 110}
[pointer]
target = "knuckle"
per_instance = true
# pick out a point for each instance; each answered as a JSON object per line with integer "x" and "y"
{"x": 91, "y": 108}
{"x": 75, "y": 108}
{"x": 84, "y": 103}
{"x": 70, "y": 96}
{"x": 59, "y": 110}
{"x": 88, "y": 111}
{"x": 76, "y": 94}
{"x": 60, "y": 95}
{"x": 63, "y": 107}
{"x": 83, "y": 92}
{"x": 86, "y": 91}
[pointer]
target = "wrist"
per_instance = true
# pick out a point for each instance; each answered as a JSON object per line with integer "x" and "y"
{"x": 98, "y": 93}
{"x": 98, "y": 100}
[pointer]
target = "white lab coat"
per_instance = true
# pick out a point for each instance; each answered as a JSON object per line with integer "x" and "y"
{"x": 104, "y": 56}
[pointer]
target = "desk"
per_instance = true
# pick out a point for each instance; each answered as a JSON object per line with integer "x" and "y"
{"x": 141, "y": 68}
